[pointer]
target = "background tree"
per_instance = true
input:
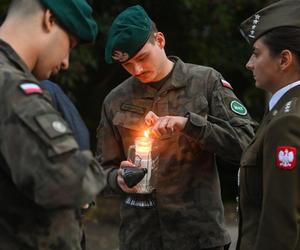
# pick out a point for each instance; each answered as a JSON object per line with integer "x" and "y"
{"x": 203, "y": 32}
{"x": 199, "y": 31}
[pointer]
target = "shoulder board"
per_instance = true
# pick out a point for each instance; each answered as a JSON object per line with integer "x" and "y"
{"x": 30, "y": 88}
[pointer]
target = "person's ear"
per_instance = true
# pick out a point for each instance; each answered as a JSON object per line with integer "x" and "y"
{"x": 286, "y": 59}
{"x": 160, "y": 39}
{"x": 48, "y": 20}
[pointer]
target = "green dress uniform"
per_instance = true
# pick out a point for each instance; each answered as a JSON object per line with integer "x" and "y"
{"x": 189, "y": 213}
{"x": 270, "y": 180}
{"x": 44, "y": 178}
{"x": 269, "y": 175}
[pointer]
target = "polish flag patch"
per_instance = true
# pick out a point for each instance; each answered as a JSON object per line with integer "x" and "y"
{"x": 226, "y": 84}
{"x": 286, "y": 157}
{"x": 31, "y": 88}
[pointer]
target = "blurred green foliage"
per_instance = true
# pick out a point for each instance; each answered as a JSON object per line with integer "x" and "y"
{"x": 199, "y": 31}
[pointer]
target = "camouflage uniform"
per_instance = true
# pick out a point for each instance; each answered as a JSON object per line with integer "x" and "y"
{"x": 44, "y": 178}
{"x": 189, "y": 213}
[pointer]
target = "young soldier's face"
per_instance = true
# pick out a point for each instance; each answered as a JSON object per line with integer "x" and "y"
{"x": 148, "y": 64}
{"x": 55, "y": 55}
{"x": 264, "y": 66}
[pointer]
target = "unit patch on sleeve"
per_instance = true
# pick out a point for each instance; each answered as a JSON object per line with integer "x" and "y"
{"x": 286, "y": 157}
{"x": 238, "y": 108}
{"x": 226, "y": 84}
{"x": 31, "y": 88}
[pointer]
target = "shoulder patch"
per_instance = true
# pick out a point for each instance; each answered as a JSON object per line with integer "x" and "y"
{"x": 53, "y": 125}
{"x": 133, "y": 108}
{"x": 238, "y": 108}
{"x": 226, "y": 84}
{"x": 30, "y": 88}
{"x": 286, "y": 157}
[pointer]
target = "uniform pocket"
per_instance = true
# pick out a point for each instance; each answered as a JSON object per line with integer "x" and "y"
{"x": 251, "y": 176}
{"x": 129, "y": 125}
{"x": 249, "y": 159}
{"x": 129, "y": 120}
{"x": 47, "y": 125}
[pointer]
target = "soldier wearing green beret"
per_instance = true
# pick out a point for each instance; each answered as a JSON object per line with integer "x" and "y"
{"x": 194, "y": 116}
{"x": 45, "y": 179}
{"x": 270, "y": 169}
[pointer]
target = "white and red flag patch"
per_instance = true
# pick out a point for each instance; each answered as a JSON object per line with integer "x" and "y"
{"x": 286, "y": 157}
{"x": 31, "y": 88}
{"x": 226, "y": 84}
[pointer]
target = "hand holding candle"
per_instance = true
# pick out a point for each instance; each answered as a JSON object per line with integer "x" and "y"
{"x": 139, "y": 176}
{"x": 120, "y": 179}
{"x": 165, "y": 124}
{"x": 134, "y": 175}
{"x": 143, "y": 159}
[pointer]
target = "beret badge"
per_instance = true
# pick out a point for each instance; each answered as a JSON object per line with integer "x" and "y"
{"x": 120, "y": 56}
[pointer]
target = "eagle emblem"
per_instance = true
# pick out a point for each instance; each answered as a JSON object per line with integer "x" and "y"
{"x": 286, "y": 157}
{"x": 120, "y": 56}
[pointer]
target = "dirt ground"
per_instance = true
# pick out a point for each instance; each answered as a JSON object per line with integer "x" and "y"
{"x": 103, "y": 234}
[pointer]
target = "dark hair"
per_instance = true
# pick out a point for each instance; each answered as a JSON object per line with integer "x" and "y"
{"x": 24, "y": 8}
{"x": 151, "y": 38}
{"x": 283, "y": 38}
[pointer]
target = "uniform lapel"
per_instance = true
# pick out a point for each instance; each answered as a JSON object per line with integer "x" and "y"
{"x": 268, "y": 116}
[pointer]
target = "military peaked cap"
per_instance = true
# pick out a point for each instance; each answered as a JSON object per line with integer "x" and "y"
{"x": 279, "y": 14}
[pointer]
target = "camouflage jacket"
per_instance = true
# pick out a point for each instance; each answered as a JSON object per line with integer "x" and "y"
{"x": 189, "y": 213}
{"x": 269, "y": 183}
{"x": 44, "y": 178}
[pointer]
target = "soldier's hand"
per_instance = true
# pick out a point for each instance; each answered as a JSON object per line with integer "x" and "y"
{"x": 151, "y": 118}
{"x": 120, "y": 180}
{"x": 165, "y": 124}
{"x": 85, "y": 206}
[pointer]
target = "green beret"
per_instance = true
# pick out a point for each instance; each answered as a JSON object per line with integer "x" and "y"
{"x": 75, "y": 16}
{"x": 279, "y": 14}
{"x": 128, "y": 34}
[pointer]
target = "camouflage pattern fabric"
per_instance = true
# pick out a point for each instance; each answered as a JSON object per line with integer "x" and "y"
{"x": 189, "y": 213}
{"x": 44, "y": 178}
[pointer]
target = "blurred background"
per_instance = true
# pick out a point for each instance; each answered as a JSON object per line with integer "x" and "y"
{"x": 203, "y": 32}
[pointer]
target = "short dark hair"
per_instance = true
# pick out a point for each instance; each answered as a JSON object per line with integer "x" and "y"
{"x": 151, "y": 38}
{"x": 283, "y": 38}
{"x": 24, "y": 8}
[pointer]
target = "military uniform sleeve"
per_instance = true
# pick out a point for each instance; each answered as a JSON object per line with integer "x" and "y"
{"x": 108, "y": 151}
{"x": 279, "y": 221}
{"x": 42, "y": 156}
{"x": 227, "y": 129}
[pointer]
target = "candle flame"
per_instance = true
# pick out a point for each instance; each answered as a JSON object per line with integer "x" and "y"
{"x": 143, "y": 144}
{"x": 146, "y": 133}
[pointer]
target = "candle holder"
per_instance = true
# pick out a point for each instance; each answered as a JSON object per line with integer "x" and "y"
{"x": 143, "y": 156}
